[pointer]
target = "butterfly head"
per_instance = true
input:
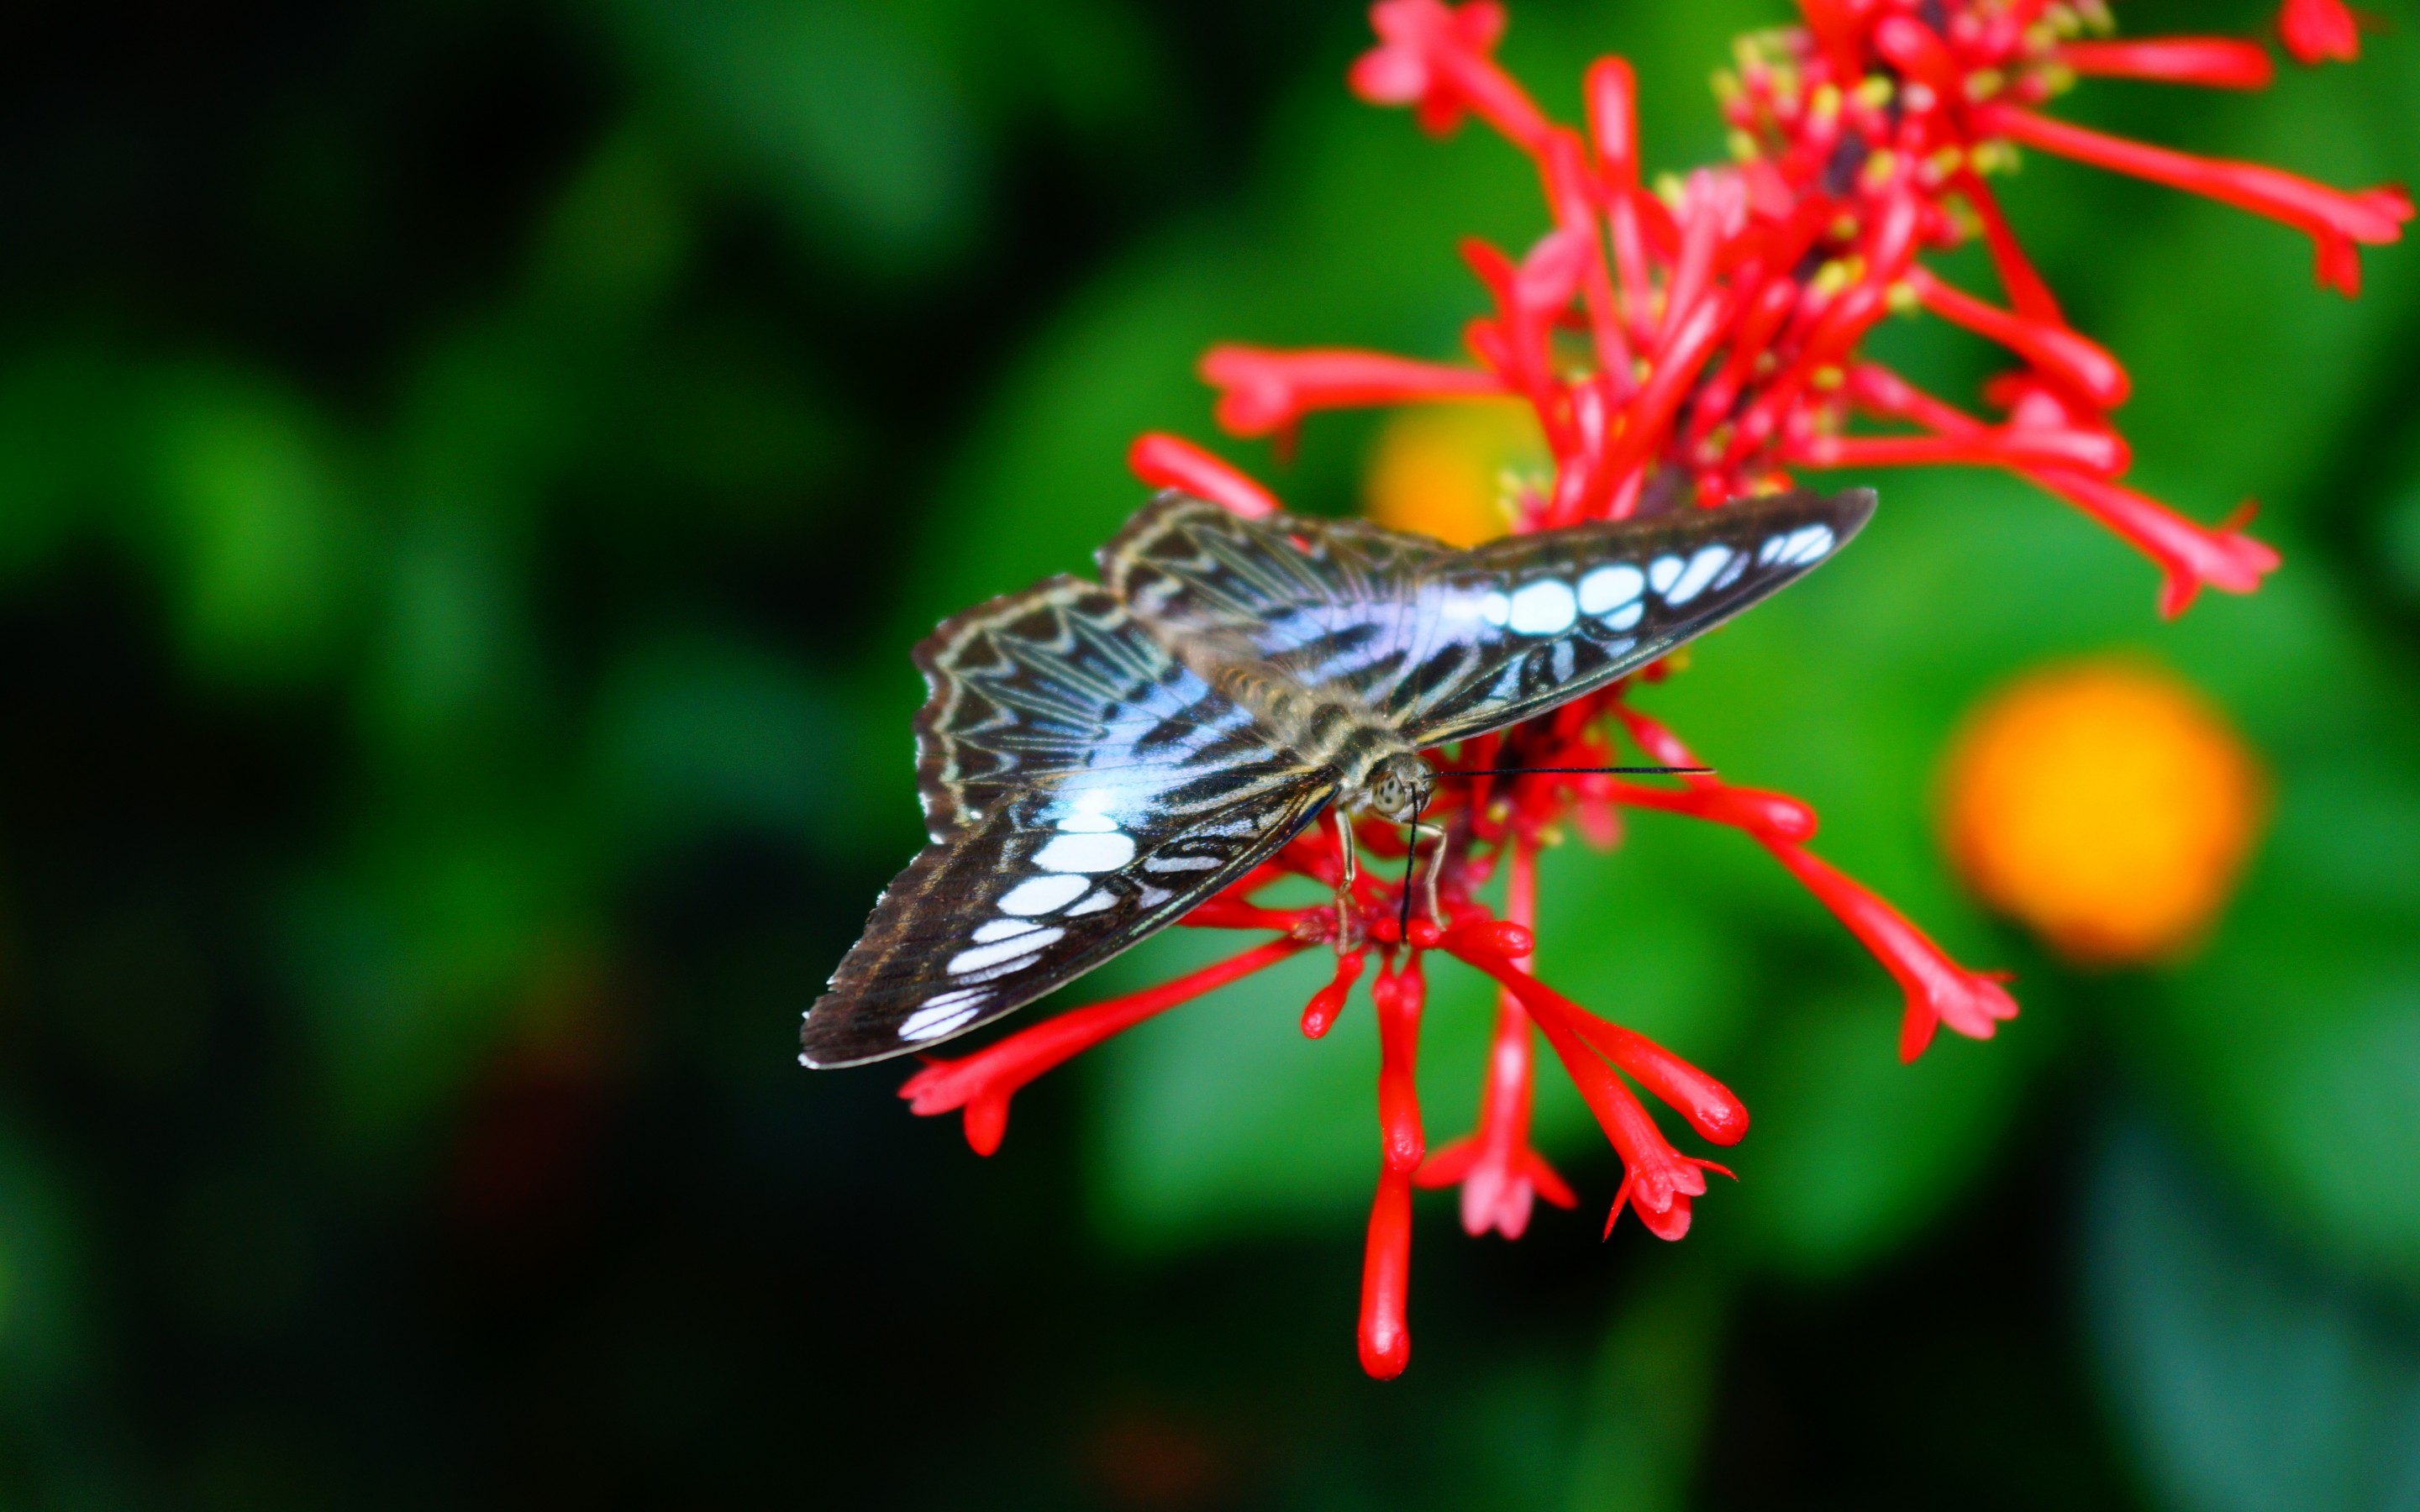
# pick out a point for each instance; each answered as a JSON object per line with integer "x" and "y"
{"x": 1398, "y": 787}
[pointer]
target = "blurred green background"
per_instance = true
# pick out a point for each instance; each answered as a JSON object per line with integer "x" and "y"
{"x": 469, "y": 477}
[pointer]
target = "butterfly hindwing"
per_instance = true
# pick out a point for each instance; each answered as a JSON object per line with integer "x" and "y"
{"x": 1031, "y": 688}
{"x": 1083, "y": 788}
{"x": 1519, "y": 625}
{"x": 1055, "y": 882}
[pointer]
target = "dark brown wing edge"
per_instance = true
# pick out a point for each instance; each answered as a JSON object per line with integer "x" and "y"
{"x": 878, "y": 983}
{"x": 1845, "y": 512}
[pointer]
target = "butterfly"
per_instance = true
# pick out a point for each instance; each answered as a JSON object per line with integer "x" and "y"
{"x": 1097, "y": 758}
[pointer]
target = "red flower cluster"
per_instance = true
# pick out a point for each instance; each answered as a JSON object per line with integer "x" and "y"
{"x": 1682, "y": 346}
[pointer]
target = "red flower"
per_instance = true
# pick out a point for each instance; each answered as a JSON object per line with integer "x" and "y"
{"x": 1691, "y": 346}
{"x": 2317, "y": 30}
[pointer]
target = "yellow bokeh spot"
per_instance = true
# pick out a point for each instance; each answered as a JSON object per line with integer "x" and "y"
{"x": 2107, "y": 806}
{"x": 1446, "y": 470}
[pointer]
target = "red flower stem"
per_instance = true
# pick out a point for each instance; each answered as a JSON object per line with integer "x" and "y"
{"x": 1225, "y": 913}
{"x": 1751, "y": 809}
{"x": 1938, "y": 990}
{"x": 983, "y": 1082}
{"x": 1767, "y": 310}
{"x": 1650, "y": 414}
{"x": 1631, "y": 260}
{"x": 1711, "y": 1108}
{"x": 2375, "y": 217}
{"x": 2081, "y": 364}
{"x": 2027, "y": 447}
{"x": 1613, "y": 121}
{"x": 1267, "y": 391}
{"x": 2026, "y": 287}
{"x": 2212, "y": 62}
{"x": 1166, "y": 461}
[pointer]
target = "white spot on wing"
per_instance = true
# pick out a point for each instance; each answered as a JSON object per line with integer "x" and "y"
{"x": 1627, "y": 616}
{"x": 1808, "y": 543}
{"x": 1709, "y": 561}
{"x": 992, "y": 955}
{"x": 1086, "y": 853}
{"x": 1496, "y": 609}
{"x": 938, "y": 1017}
{"x": 1609, "y": 588}
{"x": 1088, "y": 822}
{"x": 1771, "y": 548}
{"x": 1663, "y": 573}
{"x": 1004, "y": 929}
{"x": 1545, "y": 606}
{"x": 1101, "y": 898}
{"x": 1040, "y": 895}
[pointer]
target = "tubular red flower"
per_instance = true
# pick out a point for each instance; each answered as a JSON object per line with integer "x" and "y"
{"x": 2212, "y": 62}
{"x": 1385, "y": 1336}
{"x": 1386, "y": 1266}
{"x": 982, "y": 1083}
{"x": 1166, "y": 461}
{"x": 2082, "y": 364}
{"x": 2330, "y": 217}
{"x": 1327, "y": 1003}
{"x": 1711, "y": 1108}
{"x": 1613, "y": 121}
{"x": 1499, "y": 1174}
{"x": 1269, "y": 390}
{"x": 2015, "y": 447}
{"x": 1754, "y": 810}
{"x": 1435, "y": 58}
{"x": 1657, "y": 1180}
{"x": 2317, "y": 30}
{"x": 2190, "y": 557}
{"x": 1939, "y": 991}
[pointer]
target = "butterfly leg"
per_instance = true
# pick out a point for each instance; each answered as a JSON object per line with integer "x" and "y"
{"x": 1346, "y": 941}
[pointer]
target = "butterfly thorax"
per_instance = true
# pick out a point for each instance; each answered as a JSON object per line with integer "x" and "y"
{"x": 1328, "y": 727}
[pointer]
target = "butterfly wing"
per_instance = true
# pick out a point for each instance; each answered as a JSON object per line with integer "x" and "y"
{"x": 1519, "y": 625}
{"x": 1329, "y": 601}
{"x": 1083, "y": 790}
{"x": 996, "y": 917}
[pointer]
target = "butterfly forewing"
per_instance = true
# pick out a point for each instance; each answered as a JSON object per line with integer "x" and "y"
{"x": 1326, "y": 601}
{"x": 1001, "y": 914}
{"x": 1524, "y": 624}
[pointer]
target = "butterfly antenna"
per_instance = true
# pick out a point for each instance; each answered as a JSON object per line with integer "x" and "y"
{"x": 1525, "y": 771}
